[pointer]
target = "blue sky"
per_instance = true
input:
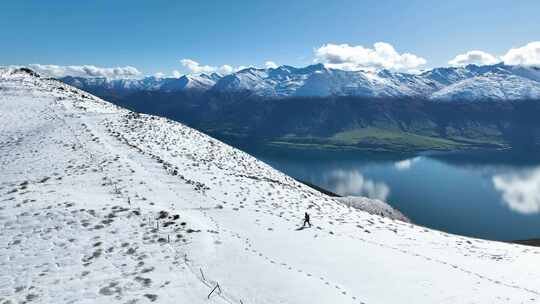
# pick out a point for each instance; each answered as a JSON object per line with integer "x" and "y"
{"x": 154, "y": 36}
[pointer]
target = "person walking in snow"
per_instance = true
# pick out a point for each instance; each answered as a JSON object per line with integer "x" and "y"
{"x": 306, "y": 220}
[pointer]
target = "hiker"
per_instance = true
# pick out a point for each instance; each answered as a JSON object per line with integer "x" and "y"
{"x": 306, "y": 220}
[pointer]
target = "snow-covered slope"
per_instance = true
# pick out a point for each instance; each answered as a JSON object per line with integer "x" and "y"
{"x": 490, "y": 87}
{"x": 373, "y": 206}
{"x": 280, "y": 81}
{"x": 186, "y": 82}
{"x": 102, "y": 205}
{"x": 363, "y": 83}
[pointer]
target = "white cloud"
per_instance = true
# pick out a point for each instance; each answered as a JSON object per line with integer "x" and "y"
{"x": 406, "y": 163}
{"x": 520, "y": 192}
{"x": 176, "y": 74}
{"x": 193, "y": 67}
{"x": 381, "y": 56}
{"x": 354, "y": 183}
{"x": 270, "y": 65}
{"x": 196, "y": 68}
{"x": 474, "y": 57}
{"x": 85, "y": 71}
{"x": 225, "y": 69}
{"x": 525, "y": 55}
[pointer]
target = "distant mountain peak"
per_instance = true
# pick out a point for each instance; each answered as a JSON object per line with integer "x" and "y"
{"x": 318, "y": 80}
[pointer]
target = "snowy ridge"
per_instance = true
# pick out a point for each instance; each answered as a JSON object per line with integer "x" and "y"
{"x": 452, "y": 83}
{"x": 102, "y": 205}
{"x": 372, "y": 206}
{"x": 458, "y": 83}
{"x": 186, "y": 82}
{"x": 490, "y": 87}
{"x": 317, "y": 80}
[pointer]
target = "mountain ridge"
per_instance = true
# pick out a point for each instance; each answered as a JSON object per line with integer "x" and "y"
{"x": 448, "y": 83}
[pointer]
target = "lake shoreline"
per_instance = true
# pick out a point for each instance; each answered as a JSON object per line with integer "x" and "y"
{"x": 529, "y": 242}
{"x": 368, "y": 205}
{"x": 534, "y": 242}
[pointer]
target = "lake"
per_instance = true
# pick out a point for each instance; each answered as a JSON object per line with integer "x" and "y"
{"x": 490, "y": 195}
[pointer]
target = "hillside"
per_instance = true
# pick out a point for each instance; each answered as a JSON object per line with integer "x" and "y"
{"x": 103, "y": 205}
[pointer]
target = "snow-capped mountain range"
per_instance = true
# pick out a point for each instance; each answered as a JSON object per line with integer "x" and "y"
{"x": 495, "y": 82}
{"x": 104, "y": 205}
{"x": 186, "y": 82}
